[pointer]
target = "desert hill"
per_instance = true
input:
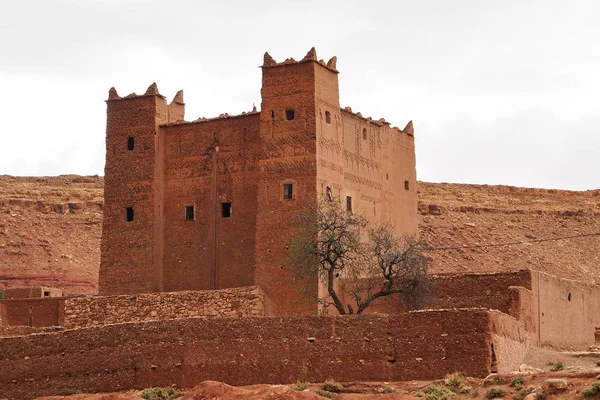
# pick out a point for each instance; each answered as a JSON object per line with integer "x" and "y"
{"x": 50, "y": 230}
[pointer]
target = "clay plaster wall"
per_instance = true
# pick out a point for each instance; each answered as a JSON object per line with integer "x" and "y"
{"x": 242, "y": 351}
{"x": 510, "y": 341}
{"x": 565, "y": 312}
{"x": 93, "y": 311}
{"x": 31, "y": 292}
{"x": 33, "y": 312}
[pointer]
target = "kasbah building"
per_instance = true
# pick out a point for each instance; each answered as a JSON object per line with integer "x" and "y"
{"x": 209, "y": 204}
{"x": 197, "y": 217}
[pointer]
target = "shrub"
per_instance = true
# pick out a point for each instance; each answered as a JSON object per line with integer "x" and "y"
{"x": 435, "y": 392}
{"x": 324, "y": 393}
{"x": 591, "y": 392}
{"x": 332, "y": 386}
{"x": 454, "y": 380}
{"x": 465, "y": 389}
{"x": 1, "y": 294}
{"x": 522, "y": 392}
{"x": 495, "y": 393}
{"x": 388, "y": 390}
{"x": 68, "y": 391}
{"x": 517, "y": 382}
{"x": 159, "y": 394}
{"x": 557, "y": 367}
{"x": 300, "y": 386}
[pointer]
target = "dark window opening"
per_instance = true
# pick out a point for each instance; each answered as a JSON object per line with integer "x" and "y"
{"x": 129, "y": 214}
{"x": 272, "y": 114}
{"x": 569, "y": 296}
{"x": 329, "y": 194}
{"x": 365, "y": 133}
{"x": 130, "y": 143}
{"x": 327, "y": 117}
{"x": 288, "y": 191}
{"x": 387, "y": 177}
{"x": 46, "y": 294}
{"x": 225, "y": 210}
{"x": 189, "y": 213}
{"x": 349, "y": 204}
{"x": 406, "y": 187}
{"x": 289, "y": 115}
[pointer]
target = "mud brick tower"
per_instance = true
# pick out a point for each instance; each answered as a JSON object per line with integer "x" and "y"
{"x": 208, "y": 204}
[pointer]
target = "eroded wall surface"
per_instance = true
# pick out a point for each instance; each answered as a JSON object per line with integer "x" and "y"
{"x": 510, "y": 342}
{"x": 242, "y": 351}
{"x": 93, "y": 311}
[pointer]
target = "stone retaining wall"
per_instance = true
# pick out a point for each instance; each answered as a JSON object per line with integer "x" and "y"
{"x": 93, "y": 311}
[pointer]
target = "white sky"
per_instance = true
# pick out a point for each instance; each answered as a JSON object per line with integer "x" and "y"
{"x": 500, "y": 92}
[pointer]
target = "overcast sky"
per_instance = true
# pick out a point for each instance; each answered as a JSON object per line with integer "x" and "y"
{"x": 500, "y": 92}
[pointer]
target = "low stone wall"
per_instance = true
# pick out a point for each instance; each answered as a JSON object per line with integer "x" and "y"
{"x": 244, "y": 351}
{"x": 93, "y": 311}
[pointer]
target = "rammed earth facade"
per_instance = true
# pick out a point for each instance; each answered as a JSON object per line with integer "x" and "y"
{"x": 209, "y": 204}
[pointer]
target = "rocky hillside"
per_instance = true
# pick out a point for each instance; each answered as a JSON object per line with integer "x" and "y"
{"x": 453, "y": 215}
{"x": 50, "y": 230}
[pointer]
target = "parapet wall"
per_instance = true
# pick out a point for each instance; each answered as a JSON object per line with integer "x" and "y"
{"x": 93, "y": 311}
{"x": 243, "y": 351}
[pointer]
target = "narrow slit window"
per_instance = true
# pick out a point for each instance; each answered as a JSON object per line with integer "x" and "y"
{"x": 406, "y": 185}
{"x": 130, "y": 143}
{"x": 327, "y": 117}
{"x": 365, "y": 133}
{"x": 225, "y": 210}
{"x": 349, "y": 204}
{"x": 189, "y": 213}
{"x": 329, "y": 194}
{"x": 272, "y": 114}
{"x": 129, "y": 214}
{"x": 289, "y": 115}
{"x": 288, "y": 191}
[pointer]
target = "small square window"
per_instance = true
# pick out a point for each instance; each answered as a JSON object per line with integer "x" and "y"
{"x": 327, "y": 117}
{"x": 289, "y": 115}
{"x": 129, "y": 214}
{"x": 406, "y": 186}
{"x": 46, "y": 294}
{"x": 225, "y": 210}
{"x": 189, "y": 213}
{"x": 349, "y": 204}
{"x": 130, "y": 143}
{"x": 288, "y": 191}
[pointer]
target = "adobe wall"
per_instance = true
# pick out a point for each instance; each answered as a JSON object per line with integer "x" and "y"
{"x": 510, "y": 341}
{"x": 490, "y": 291}
{"x": 94, "y": 311}
{"x": 243, "y": 351}
{"x": 286, "y": 156}
{"x": 204, "y": 164}
{"x": 565, "y": 312}
{"x": 31, "y": 292}
{"x": 33, "y": 312}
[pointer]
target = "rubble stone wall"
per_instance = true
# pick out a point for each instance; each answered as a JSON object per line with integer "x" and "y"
{"x": 94, "y": 311}
{"x": 244, "y": 351}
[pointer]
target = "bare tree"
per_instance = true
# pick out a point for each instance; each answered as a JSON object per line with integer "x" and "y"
{"x": 365, "y": 262}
